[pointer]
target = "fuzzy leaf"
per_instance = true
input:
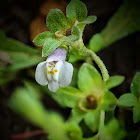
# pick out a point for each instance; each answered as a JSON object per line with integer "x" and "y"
{"x": 135, "y": 86}
{"x": 127, "y": 100}
{"x": 27, "y": 105}
{"x": 88, "y": 20}
{"x": 56, "y": 20}
{"x": 136, "y": 113}
{"x": 92, "y": 120}
{"x": 76, "y": 115}
{"x": 96, "y": 42}
{"x": 74, "y": 131}
{"x": 42, "y": 37}
{"x": 30, "y": 108}
{"x": 22, "y": 60}
{"x": 50, "y": 46}
{"x": 68, "y": 96}
{"x": 114, "y": 81}
{"x": 109, "y": 131}
{"x": 21, "y": 55}
{"x": 123, "y": 23}
{"x": 89, "y": 80}
{"x": 76, "y": 10}
{"x": 108, "y": 101}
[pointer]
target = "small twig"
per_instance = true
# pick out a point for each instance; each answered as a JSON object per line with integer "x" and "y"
{"x": 27, "y": 135}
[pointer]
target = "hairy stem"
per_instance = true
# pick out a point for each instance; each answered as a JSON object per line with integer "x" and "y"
{"x": 98, "y": 61}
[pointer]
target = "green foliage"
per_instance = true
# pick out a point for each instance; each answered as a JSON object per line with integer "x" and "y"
{"x": 21, "y": 56}
{"x": 89, "y": 20}
{"x": 74, "y": 131}
{"x": 108, "y": 101}
{"x": 133, "y": 99}
{"x": 76, "y": 10}
{"x": 114, "y": 81}
{"x": 92, "y": 120}
{"x": 56, "y": 20}
{"x": 89, "y": 80}
{"x": 68, "y": 96}
{"x": 127, "y": 100}
{"x": 50, "y": 46}
{"x": 24, "y": 103}
{"x": 112, "y": 131}
{"x": 124, "y": 22}
{"x": 135, "y": 86}
{"x": 96, "y": 43}
{"x": 42, "y": 37}
{"x": 136, "y": 113}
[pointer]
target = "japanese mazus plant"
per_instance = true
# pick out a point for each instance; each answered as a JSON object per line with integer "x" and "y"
{"x": 91, "y": 100}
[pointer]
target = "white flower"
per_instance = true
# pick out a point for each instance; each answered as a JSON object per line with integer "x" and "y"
{"x": 54, "y": 71}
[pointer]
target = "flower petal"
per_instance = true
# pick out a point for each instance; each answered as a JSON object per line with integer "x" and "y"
{"x": 57, "y": 69}
{"x": 53, "y": 86}
{"x": 65, "y": 75}
{"x": 40, "y": 74}
{"x": 58, "y": 55}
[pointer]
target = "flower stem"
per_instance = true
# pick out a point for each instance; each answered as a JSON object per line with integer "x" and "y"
{"x": 102, "y": 119}
{"x": 105, "y": 76}
{"x": 98, "y": 61}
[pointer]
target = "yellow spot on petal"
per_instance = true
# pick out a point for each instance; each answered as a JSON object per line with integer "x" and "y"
{"x": 54, "y": 71}
{"x": 49, "y": 72}
{"x": 49, "y": 66}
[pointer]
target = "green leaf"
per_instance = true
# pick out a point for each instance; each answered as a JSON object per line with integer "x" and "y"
{"x": 22, "y": 60}
{"x": 76, "y": 10}
{"x": 68, "y": 96}
{"x": 56, "y": 20}
{"x": 108, "y": 101}
{"x": 50, "y": 46}
{"x": 136, "y": 113}
{"x": 89, "y": 80}
{"x": 12, "y": 45}
{"x": 21, "y": 55}
{"x": 109, "y": 131}
{"x": 114, "y": 81}
{"x": 123, "y": 23}
{"x": 92, "y": 120}
{"x": 76, "y": 115}
{"x": 88, "y": 20}
{"x": 73, "y": 131}
{"x": 28, "y": 106}
{"x": 127, "y": 100}
{"x": 42, "y": 37}
{"x": 135, "y": 86}
{"x": 75, "y": 35}
{"x": 34, "y": 89}
{"x": 96, "y": 42}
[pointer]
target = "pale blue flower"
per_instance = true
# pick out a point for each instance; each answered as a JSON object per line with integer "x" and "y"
{"x": 54, "y": 71}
